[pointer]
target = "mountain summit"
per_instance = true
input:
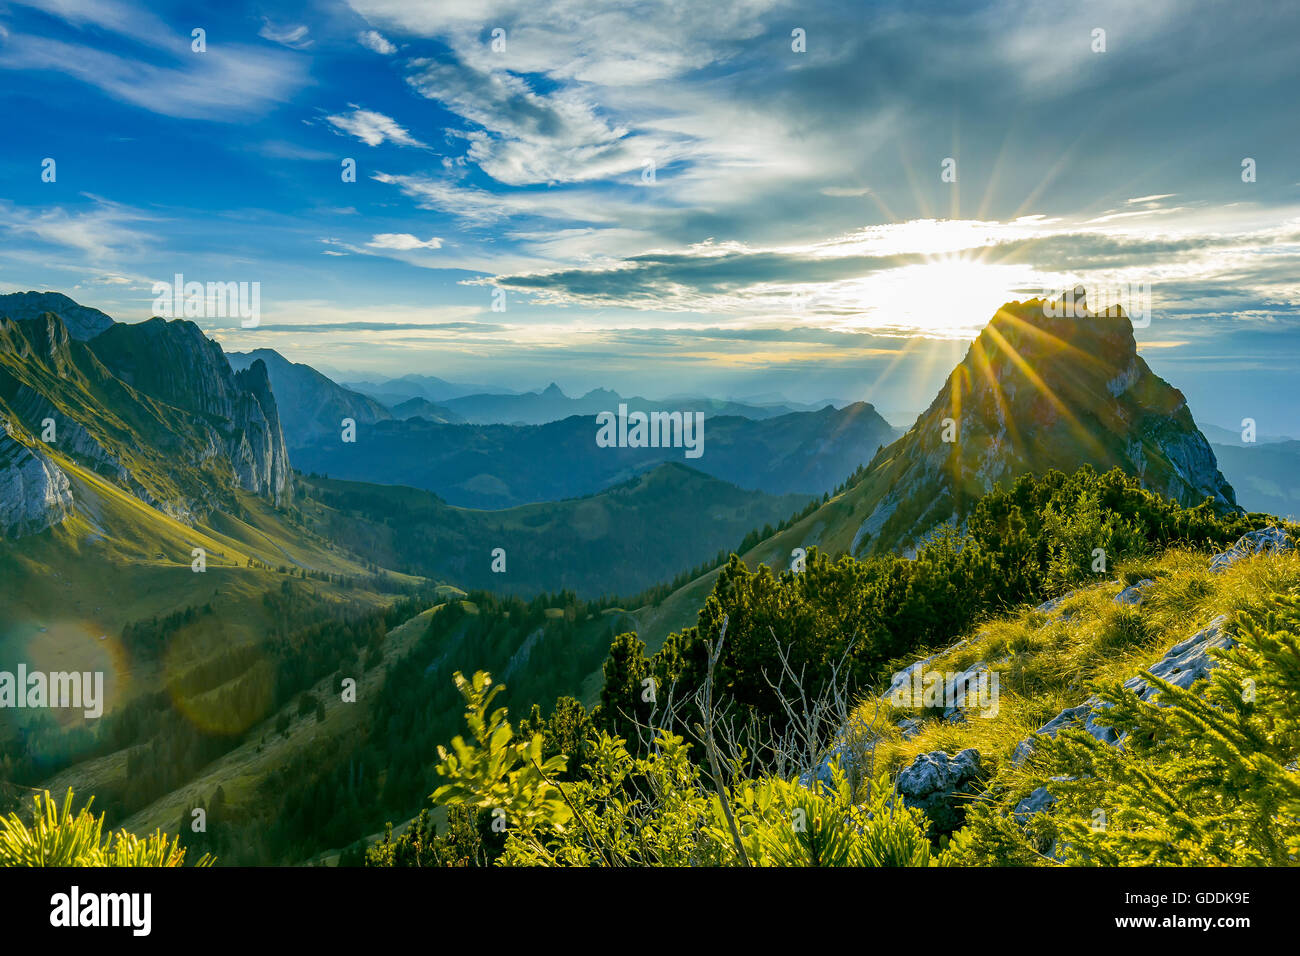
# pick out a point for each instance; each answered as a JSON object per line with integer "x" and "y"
{"x": 82, "y": 322}
{"x": 1037, "y": 392}
{"x": 1033, "y": 393}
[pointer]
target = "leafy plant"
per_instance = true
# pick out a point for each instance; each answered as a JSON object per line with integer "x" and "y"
{"x": 58, "y": 837}
{"x": 498, "y": 774}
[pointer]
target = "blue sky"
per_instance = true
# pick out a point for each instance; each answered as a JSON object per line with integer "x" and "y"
{"x": 796, "y": 236}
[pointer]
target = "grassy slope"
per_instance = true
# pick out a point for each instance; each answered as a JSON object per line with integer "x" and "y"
{"x": 1046, "y": 663}
{"x": 117, "y": 560}
{"x": 240, "y": 771}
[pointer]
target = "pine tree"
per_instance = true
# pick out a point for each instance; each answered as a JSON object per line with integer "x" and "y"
{"x": 1206, "y": 777}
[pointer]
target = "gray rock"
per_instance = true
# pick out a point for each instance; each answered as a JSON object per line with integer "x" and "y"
{"x": 960, "y": 689}
{"x": 35, "y": 494}
{"x": 1270, "y": 540}
{"x": 1188, "y": 661}
{"x": 1133, "y": 593}
{"x": 1038, "y": 801}
{"x": 904, "y": 677}
{"x": 941, "y": 785}
{"x": 910, "y": 726}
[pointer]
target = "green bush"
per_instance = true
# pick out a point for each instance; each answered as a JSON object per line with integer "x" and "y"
{"x": 58, "y": 837}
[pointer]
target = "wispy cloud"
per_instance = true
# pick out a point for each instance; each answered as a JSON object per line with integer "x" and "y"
{"x": 372, "y": 128}
{"x": 164, "y": 74}
{"x": 374, "y": 40}
{"x": 294, "y": 37}
{"x": 102, "y": 232}
{"x": 403, "y": 242}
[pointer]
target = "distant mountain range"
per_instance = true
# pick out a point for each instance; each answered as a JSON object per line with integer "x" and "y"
{"x": 500, "y": 466}
{"x": 1266, "y": 476}
{"x": 1230, "y": 436}
{"x": 551, "y": 404}
{"x": 431, "y": 388}
{"x": 619, "y": 541}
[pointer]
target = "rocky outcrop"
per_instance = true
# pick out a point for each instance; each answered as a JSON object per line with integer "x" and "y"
{"x": 1270, "y": 540}
{"x": 34, "y": 493}
{"x": 177, "y": 364}
{"x": 154, "y": 407}
{"x": 259, "y": 453}
{"x": 941, "y": 786}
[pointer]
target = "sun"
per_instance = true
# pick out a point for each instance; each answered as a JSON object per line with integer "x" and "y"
{"x": 949, "y": 296}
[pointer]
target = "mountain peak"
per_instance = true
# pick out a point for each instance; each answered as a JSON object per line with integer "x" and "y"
{"x": 1042, "y": 387}
{"x": 553, "y": 391}
{"x": 82, "y": 323}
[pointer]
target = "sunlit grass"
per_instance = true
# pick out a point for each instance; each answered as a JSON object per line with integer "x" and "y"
{"x": 1047, "y": 663}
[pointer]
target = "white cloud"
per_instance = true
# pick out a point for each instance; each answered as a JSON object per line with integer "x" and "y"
{"x": 293, "y": 37}
{"x": 374, "y": 40}
{"x": 403, "y": 242}
{"x": 525, "y": 137}
{"x": 221, "y": 84}
{"x": 227, "y": 81}
{"x": 372, "y": 128}
{"x": 101, "y": 232}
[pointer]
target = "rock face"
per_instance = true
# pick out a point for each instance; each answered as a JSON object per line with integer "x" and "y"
{"x": 34, "y": 493}
{"x": 259, "y": 453}
{"x": 941, "y": 786}
{"x": 1033, "y": 393}
{"x": 310, "y": 405}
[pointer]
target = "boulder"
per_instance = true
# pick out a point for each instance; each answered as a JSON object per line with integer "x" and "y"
{"x": 1133, "y": 593}
{"x": 941, "y": 785}
{"x": 1037, "y": 801}
{"x": 1270, "y": 540}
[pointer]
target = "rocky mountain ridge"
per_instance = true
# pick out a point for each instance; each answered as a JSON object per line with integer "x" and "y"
{"x": 153, "y": 407}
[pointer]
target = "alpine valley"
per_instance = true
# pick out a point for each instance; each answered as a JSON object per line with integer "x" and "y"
{"x": 280, "y": 577}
